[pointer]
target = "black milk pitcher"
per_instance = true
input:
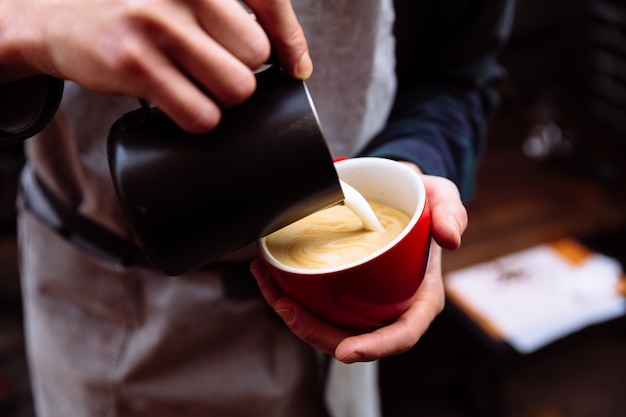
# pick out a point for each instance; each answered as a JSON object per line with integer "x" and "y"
{"x": 190, "y": 199}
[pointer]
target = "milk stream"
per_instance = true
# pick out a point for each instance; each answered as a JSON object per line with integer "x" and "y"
{"x": 359, "y": 206}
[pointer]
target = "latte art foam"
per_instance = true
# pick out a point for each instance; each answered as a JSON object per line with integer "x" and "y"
{"x": 333, "y": 237}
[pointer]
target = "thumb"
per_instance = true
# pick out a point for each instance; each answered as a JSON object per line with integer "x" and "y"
{"x": 448, "y": 214}
{"x": 287, "y": 36}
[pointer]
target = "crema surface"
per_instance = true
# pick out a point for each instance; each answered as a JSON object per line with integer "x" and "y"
{"x": 333, "y": 237}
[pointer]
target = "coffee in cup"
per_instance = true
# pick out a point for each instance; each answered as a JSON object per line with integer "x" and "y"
{"x": 334, "y": 236}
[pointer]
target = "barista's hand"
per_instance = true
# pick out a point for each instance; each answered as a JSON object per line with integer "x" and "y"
{"x": 449, "y": 220}
{"x": 191, "y": 58}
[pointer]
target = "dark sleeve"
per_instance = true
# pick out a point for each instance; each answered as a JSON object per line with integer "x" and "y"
{"x": 26, "y": 106}
{"x": 447, "y": 69}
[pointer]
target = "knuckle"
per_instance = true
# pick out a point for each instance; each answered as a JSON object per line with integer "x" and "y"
{"x": 200, "y": 120}
{"x": 412, "y": 336}
{"x": 441, "y": 303}
{"x": 192, "y": 116}
{"x": 239, "y": 87}
{"x": 293, "y": 40}
{"x": 142, "y": 8}
{"x": 310, "y": 337}
{"x": 128, "y": 58}
{"x": 259, "y": 51}
{"x": 406, "y": 345}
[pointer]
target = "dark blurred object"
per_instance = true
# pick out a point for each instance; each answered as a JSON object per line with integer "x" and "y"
{"x": 610, "y": 243}
{"x": 550, "y": 139}
{"x": 574, "y": 53}
{"x": 11, "y": 163}
{"x": 544, "y": 53}
{"x": 7, "y": 396}
{"x": 607, "y": 61}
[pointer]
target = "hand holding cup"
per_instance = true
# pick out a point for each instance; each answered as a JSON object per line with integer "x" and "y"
{"x": 371, "y": 291}
{"x": 449, "y": 220}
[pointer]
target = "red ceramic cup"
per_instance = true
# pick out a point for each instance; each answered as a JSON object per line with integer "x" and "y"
{"x": 375, "y": 290}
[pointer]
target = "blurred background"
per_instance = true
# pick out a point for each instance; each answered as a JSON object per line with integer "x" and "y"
{"x": 553, "y": 168}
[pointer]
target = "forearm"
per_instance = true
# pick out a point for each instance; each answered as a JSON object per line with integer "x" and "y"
{"x": 447, "y": 69}
{"x": 439, "y": 128}
{"x": 18, "y": 41}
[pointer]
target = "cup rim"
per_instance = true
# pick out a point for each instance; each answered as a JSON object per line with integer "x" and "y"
{"x": 415, "y": 217}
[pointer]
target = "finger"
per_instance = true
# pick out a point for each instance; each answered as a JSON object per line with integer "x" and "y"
{"x": 176, "y": 65}
{"x": 155, "y": 78}
{"x": 269, "y": 288}
{"x": 448, "y": 214}
{"x": 383, "y": 342}
{"x": 301, "y": 322}
{"x": 313, "y": 331}
{"x": 287, "y": 36}
{"x": 404, "y": 333}
{"x": 226, "y": 79}
{"x": 232, "y": 26}
{"x": 214, "y": 68}
{"x": 184, "y": 103}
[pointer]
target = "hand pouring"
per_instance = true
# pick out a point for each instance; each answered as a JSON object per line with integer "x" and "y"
{"x": 190, "y": 199}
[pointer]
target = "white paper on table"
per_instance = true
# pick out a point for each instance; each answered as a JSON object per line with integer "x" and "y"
{"x": 538, "y": 295}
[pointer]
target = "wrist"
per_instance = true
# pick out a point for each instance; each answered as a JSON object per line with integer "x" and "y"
{"x": 15, "y": 40}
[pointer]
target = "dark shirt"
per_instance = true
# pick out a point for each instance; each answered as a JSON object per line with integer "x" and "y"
{"x": 447, "y": 72}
